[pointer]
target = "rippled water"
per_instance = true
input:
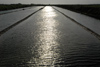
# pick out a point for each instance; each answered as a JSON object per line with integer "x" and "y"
{"x": 48, "y": 39}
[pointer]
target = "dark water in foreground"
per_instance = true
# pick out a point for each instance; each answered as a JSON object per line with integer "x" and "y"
{"x": 48, "y": 39}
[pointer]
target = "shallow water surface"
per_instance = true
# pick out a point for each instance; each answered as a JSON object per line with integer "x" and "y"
{"x": 48, "y": 39}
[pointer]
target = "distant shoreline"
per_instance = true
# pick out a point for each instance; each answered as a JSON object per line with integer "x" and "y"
{"x": 4, "y": 7}
{"x": 92, "y": 10}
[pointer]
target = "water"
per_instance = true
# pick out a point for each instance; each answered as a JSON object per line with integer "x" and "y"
{"x": 48, "y": 39}
{"x": 9, "y": 19}
{"x": 87, "y": 21}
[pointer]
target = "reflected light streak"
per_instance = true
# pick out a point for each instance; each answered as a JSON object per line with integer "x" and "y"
{"x": 49, "y": 12}
{"x": 47, "y": 35}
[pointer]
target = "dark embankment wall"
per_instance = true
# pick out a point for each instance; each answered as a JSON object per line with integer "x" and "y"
{"x": 90, "y": 10}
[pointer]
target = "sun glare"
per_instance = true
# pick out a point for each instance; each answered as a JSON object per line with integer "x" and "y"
{"x": 49, "y": 12}
{"x": 48, "y": 9}
{"x": 47, "y": 36}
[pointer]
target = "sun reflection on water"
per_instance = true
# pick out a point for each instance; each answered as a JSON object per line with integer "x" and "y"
{"x": 47, "y": 39}
{"x": 49, "y": 12}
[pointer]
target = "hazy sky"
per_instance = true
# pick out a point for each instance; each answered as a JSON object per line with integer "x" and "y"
{"x": 52, "y": 1}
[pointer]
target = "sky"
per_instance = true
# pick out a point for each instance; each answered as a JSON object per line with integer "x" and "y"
{"x": 51, "y": 1}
